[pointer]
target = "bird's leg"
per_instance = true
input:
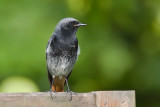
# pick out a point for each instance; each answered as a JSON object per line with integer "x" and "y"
{"x": 68, "y": 89}
{"x": 51, "y": 89}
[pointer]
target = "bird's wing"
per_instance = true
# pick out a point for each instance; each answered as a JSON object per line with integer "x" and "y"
{"x": 47, "y": 52}
{"x": 49, "y": 77}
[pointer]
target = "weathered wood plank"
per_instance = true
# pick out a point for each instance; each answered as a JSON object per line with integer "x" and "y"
{"x": 115, "y": 98}
{"x": 62, "y": 99}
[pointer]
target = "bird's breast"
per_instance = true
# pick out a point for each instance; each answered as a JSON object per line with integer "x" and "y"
{"x": 61, "y": 57}
{"x": 60, "y": 65}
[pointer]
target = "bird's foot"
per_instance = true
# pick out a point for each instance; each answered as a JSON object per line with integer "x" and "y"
{"x": 68, "y": 91}
{"x": 71, "y": 92}
{"x": 51, "y": 94}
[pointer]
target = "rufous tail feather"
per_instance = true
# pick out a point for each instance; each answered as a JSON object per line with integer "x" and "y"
{"x": 58, "y": 84}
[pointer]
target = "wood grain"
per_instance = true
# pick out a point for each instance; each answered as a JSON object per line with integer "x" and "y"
{"x": 62, "y": 99}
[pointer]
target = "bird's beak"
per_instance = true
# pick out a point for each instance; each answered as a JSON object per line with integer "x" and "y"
{"x": 80, "y": 24}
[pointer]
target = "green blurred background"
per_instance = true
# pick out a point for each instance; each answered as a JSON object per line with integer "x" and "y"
{"x": 120, "y": 46}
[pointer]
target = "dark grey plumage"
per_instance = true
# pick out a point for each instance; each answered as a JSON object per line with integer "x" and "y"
{"x": 62, "y": 50}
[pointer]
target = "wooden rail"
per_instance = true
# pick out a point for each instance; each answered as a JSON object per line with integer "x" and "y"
{"x": 92, "y": 99}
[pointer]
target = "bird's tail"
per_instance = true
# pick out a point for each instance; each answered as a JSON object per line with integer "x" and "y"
{"x": 58, "y": 84}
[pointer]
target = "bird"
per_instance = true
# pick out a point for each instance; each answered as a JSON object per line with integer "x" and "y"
{"x": 62, "y": 53}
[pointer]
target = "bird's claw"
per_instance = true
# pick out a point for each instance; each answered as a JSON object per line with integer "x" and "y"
{"x": 71, "y": 92}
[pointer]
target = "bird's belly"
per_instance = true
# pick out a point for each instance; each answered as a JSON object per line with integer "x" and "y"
{"x": 61, "y": 65}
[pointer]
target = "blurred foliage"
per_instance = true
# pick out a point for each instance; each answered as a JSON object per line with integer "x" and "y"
{"x": 120, "y": 46}
{"x": 18, "y": 84}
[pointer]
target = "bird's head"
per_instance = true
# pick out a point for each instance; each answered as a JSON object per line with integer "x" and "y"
{"x": 69, "y": 25}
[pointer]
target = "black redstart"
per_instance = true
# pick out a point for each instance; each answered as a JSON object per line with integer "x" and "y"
{"x": 61, "y": 54}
